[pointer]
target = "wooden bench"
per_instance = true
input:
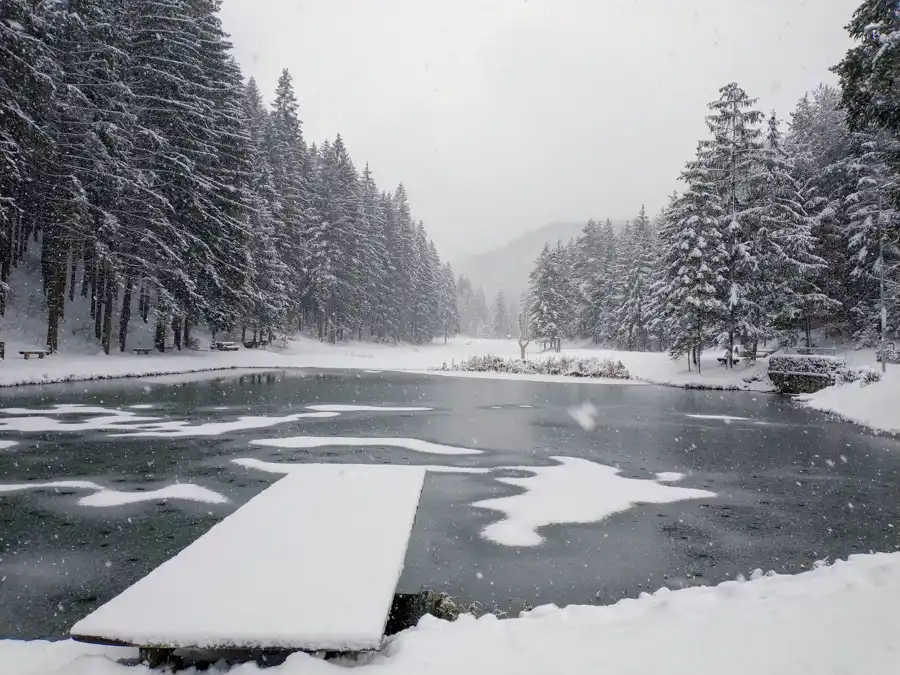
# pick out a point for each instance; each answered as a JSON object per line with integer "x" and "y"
{"x": 28, "y": 353}
{"x": 309, "y": 564}
{"x": 142, "y": 350}
{"x": 225, "y": 347}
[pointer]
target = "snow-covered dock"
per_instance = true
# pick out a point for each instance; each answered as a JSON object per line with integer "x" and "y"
{"x": 309, "y": 564}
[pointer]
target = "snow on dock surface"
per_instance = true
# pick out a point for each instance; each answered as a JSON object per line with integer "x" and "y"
{"x": 833, "y": 620}
{"x": 310, "y": 563}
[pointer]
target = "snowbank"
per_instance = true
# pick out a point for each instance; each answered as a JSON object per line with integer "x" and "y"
{"x": 876, "y": 405}
{"x": 836, "y": 619}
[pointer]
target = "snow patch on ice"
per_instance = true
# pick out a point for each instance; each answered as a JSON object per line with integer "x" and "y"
{"x": 668, "y": 476}
{"x": 182, "y": 429}
{"x": 290, "y": 467}
{"x": 339, "y": 408}
{"x": 7, "y": 444}
{"x": 573, "y": 491}
{"x": 350, "y": 442}
{"x": 183, "y": 491}
{"x": 142, "y": 406}
{"x": 724, "y": 418}
{"x": 104, "y": 497}
{"x": 116, "y": 420}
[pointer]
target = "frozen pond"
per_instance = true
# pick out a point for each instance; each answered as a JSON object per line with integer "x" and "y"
{"x": 537, "y": 492}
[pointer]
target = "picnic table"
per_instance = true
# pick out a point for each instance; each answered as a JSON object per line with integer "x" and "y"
{"x": 309, "y": 564}
{"x": 225, "y": 346}
{"x": 28, "y": 353}
{"x": 142, "y": 350}
{"x": 723, "y": 360}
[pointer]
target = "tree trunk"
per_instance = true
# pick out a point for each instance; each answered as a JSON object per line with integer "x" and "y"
{"x": 159, "y": 338}
{"x": 55, "y": 300}
{"x": 107, "y": 312}
{"x": 125, "y": 314}
{"x": 186, "y": 338}
{"x": 72, "y": 275}
{"x": 731, "y": 348}
{"x": 176, "y": 330}
{"x": 244, "y": 333}
{"x": 98, "y": 303}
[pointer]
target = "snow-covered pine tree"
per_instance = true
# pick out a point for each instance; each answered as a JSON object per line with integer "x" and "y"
{"x": 694, "y": 263}
{"x": 819, "y": 147}
{"x": 449, "y": 307}
{"x": 224, "y": 230}
{"x": 870, "y": 70}
{"x": 732, "y": 155}
{"x": 632, "y": 317}
{"x": 267, "y": 301}
{"x": 785, "y": 292}
{"x": 548, "y": 290}
{"x": 405, "y": 258}
{"x": 426, "y": 290}
{"x": 294, "y": 212}
{"x": 373, "y": 254}
{"x": 172, "y": 82}
{"x": 28, "y": 77}
{"x": 874, "y": 238}
{"x": 500, "y": 325}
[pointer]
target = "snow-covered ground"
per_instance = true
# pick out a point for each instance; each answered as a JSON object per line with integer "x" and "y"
{"x": 876, "y": 406}
{"x": 836, "y": 619}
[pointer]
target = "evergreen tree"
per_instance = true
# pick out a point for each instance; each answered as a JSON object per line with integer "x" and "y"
{"x": 632, "y": 317}
{"x": 732, "y": 156}
{"x": 500, "y": 326}
{"x": 694, "y": 263}
{"x": 869, "y": 72}
{"x": 293, "y": 213}
{"x": 449, "y": 308}
{"x": 874, "y": 242}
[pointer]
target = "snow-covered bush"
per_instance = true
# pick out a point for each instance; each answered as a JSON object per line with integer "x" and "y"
{"x": 561, "y": 365}
{"x": 864, "y": 375}
{"x": 811, "y": 364}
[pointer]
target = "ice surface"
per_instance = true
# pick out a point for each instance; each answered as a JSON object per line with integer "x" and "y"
{"x": 339, "y": 408}
{"x": 310, "y": 563}
{"x": 573, "y": 491}
{"x": 290, "y": 467}
{"x": 181, "y": 428}
{"x": 104, "y": 497}
{"x": 413, "y": 444}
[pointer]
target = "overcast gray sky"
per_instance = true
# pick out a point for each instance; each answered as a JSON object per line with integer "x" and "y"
{"x": 503, "y": 115}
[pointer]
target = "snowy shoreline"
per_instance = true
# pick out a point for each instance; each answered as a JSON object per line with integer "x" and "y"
{"x": 837, "y": 618}
{"x": 873, "y": 406}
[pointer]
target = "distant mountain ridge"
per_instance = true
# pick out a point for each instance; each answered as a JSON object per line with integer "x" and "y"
{"x": 506, "y": 268}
